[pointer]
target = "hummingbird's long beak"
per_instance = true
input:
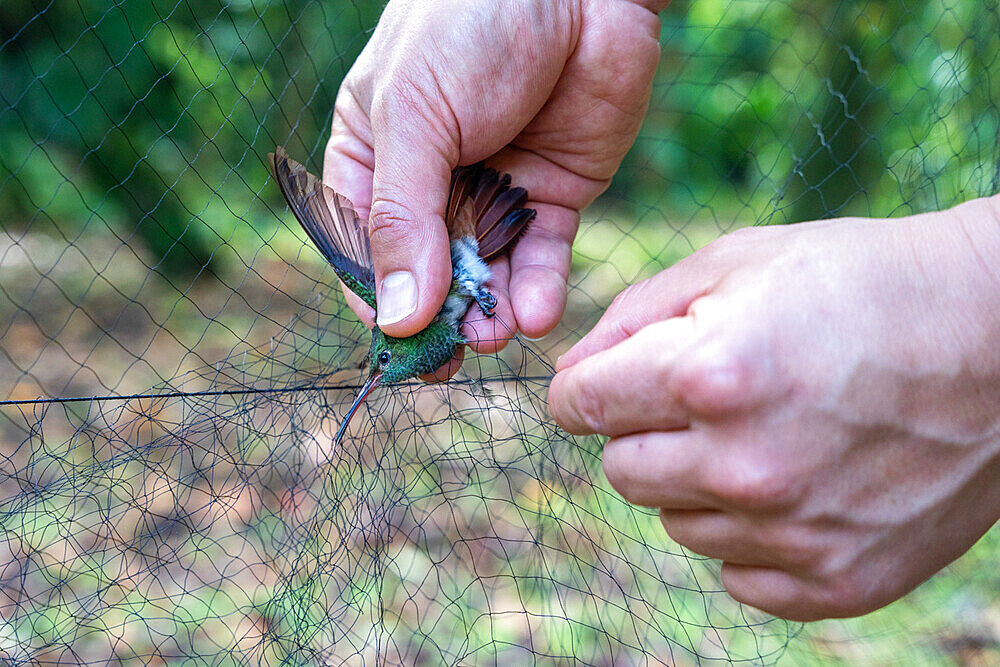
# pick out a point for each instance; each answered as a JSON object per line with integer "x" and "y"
{"x": 370, "y": 384}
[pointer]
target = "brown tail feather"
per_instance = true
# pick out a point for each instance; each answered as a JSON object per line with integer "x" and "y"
{"x": 491, "y": 185}
{"x": 484, "y": 205}
{"x": 461, "y": 216}
{"x": 498, "y": 210}
{"x": 501, "y": 238}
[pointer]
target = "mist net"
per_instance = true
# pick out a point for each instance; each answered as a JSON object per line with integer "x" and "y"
{"x": 175, "y": 356}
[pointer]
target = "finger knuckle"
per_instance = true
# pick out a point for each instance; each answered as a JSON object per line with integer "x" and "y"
{"x": 658, "y": 365}
{"x": 796, "y": 545}
{"x": 756, "y": 483}
{"x": 786, "y": 597}
{"x": 628, "y": 315}
{"x": 406, "y": 105}
{"x": 398, "y": 97}
{"x": 799, "y": 599}
{"x": 390, "y": 223}
{"x": 681, "y": 532}
{"x": 713, "y": 381}
{"x": 590, "y": 407}
{"x": 621, "y": 302}
{"x": 740, "y": 586}
{"x": 843, "y": 595}
{"x": 612, "y": 462}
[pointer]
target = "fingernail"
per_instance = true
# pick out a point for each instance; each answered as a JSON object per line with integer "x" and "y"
{"x": 397, "y": 299}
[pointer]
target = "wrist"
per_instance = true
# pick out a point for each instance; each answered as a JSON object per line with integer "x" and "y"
{"x": 936, "y": 291}
{"x": 979, "y": 220}
{"x": 977, "y": 223}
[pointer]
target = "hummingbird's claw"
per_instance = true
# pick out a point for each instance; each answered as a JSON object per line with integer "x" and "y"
{"x": 487, "y": 302}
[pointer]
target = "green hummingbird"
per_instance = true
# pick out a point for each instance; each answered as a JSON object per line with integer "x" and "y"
{"x": 485, "y": 218}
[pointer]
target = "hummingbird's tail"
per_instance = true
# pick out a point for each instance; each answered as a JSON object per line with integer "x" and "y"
{"x": 483, "y": 206}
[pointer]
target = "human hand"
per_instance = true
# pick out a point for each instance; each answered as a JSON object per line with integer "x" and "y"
{"x": 816, "y": 405}
{"x": 551, "y": 91}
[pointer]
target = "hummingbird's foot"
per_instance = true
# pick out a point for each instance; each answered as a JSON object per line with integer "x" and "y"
{"x": 487, "y": 302}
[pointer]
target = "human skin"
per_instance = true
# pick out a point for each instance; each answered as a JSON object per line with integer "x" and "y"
{"x": 817, "y": 405}
{"x": 553, "y": 92}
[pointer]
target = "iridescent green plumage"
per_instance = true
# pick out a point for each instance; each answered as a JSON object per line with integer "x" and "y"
{"x": 419, "y": 354}
{"x": 485, "y": 217}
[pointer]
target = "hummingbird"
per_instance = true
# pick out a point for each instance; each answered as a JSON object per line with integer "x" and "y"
{"x": 485, "y": 217}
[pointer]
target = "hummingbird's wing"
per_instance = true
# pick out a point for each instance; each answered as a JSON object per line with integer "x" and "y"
{"x": 482, "y": 204}
{"x": 330, "y": 221}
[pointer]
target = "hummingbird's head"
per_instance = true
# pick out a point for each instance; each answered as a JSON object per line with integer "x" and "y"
{"x": 393, "y": 360}
{"x": 400, "y": 359}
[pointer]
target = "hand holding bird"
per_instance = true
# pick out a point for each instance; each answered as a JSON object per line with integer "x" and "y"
{"x": 552, "y": 93}
{"x": 485, "y": 217}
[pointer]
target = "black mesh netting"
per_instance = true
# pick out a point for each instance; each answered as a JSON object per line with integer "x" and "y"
{"x": 175, "y": 356}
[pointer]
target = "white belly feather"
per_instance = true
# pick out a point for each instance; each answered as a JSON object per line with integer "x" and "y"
{"x": 470, "y": 272}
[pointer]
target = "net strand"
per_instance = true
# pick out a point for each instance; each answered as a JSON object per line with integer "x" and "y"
{"x": 175, "y": 357}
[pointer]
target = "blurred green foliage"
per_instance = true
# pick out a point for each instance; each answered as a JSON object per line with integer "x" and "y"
{"x": 146, "y": 121}
{"x": 150, "y": 118}
{"x": 784, "y": 111}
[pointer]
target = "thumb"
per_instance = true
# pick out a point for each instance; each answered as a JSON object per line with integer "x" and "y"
{"x": 665, "y": 295}
{"x": 415, "y": 150}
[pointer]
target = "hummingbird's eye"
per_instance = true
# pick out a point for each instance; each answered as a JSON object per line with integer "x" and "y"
{"x": 384, "y": 358}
